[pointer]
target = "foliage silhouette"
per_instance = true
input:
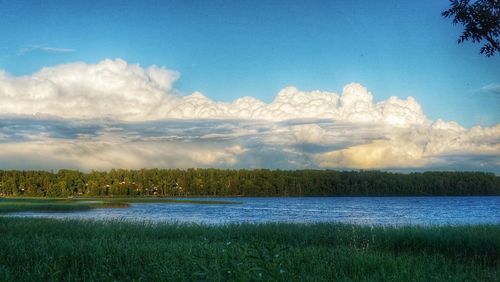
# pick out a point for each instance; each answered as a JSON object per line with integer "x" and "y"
{"x": 481, "y": 20}
{"x": 258, "y": 182}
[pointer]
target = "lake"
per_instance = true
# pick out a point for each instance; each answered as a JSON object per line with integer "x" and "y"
{"x": 355, "y": 210}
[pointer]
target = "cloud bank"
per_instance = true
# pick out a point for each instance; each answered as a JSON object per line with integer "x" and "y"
{"x": 117, "y": 90}
{"x": 115, "y": 114}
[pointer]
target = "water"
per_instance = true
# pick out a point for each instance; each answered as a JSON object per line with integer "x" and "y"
{"x": 356, "y": 210}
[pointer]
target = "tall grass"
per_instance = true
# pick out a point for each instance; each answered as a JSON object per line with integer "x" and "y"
{"x": 48, "y": 249}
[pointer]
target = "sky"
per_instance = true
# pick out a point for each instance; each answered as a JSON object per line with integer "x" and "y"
{"x": 246, "y": 84}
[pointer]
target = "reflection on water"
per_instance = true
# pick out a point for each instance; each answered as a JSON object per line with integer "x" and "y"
{"x": 357, "y": 210}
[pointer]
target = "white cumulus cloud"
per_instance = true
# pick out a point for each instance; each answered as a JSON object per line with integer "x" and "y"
{"x": 118, "y": 90}
{"x": 112, "y": 89}
{"x": 116, "y": 114}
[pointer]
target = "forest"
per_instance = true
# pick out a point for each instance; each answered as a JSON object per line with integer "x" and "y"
{"x": 257, "y": 182}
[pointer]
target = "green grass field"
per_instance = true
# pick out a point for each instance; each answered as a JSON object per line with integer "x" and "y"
{"x": 72, "y": 250}
{"x": 46, "y": 249}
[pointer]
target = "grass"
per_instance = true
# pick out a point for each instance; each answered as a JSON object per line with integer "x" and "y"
{"x": 78, "y": 204}
{"x": 8, "y": 205}
{"x": 72, "y": 250}
{"x": 48, "y": 249}
{"x": 161, "y": 200}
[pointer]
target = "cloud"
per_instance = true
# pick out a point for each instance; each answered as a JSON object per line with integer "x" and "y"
{"x": 378, "y": 154}
{"x": 101, "y": 144}
{"x": 493, "y": 88}
{"x": 114, "y": 114}
{"x": 46, "y": 49}
{"x": 118, "y": 90}
{"x": 110, "y": 150}
{"x": 111, "y": 89}
{"x": 419, "y": 146}
{"x": 57, "y": 50}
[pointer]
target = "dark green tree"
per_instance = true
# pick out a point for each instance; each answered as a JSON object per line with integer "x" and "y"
{"x": 481, "y": 20}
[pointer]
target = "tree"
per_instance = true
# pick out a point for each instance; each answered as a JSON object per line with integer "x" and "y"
{"x": 481, "y": 20}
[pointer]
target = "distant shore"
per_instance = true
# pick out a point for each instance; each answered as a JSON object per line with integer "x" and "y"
{"x": 243, "y": 183}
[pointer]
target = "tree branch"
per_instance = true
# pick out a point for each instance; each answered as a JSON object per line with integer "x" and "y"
{"x": 493, "y": 43}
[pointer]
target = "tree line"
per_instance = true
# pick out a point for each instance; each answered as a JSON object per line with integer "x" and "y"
{"x": 258, "y": 182}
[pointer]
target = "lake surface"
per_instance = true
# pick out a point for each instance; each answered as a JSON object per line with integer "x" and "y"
{"x": 356, "y": 210}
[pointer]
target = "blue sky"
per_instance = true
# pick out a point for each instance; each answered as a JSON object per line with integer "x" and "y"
{"x": 229, "y": 49}
{"x": 109, "y": 84}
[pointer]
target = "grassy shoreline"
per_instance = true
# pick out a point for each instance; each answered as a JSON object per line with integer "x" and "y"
{"x": 48, "y": 249}
{"x": 17, "y": 204}
{"x": 85, "y": 250}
